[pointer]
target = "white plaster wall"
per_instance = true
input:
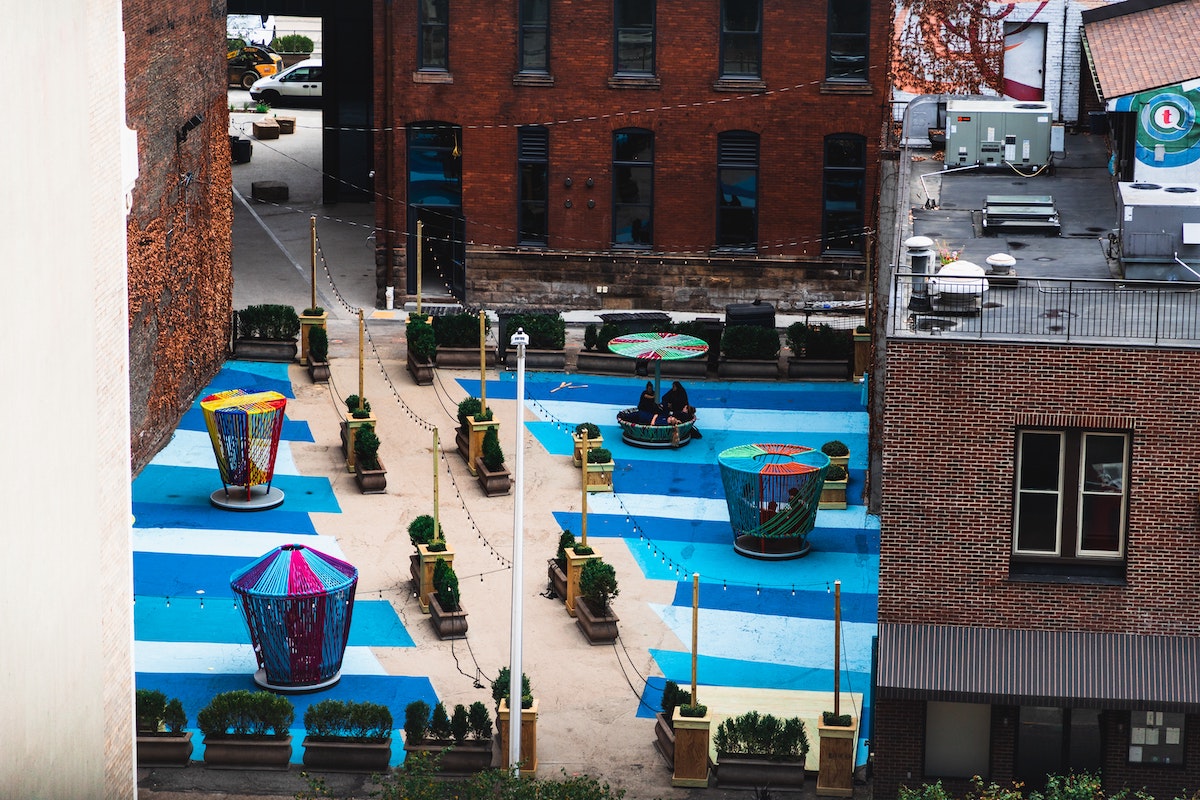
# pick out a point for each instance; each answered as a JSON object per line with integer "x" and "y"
{"x": 66, "y": 618}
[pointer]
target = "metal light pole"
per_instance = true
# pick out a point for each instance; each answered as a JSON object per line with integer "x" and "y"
{"x": 519, "y": 340}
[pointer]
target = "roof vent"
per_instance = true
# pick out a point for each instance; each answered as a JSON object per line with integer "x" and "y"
{"x": 1180, "y": 189}
{"x": 1144, "y": 186}
{"x": 1030, "y": 105}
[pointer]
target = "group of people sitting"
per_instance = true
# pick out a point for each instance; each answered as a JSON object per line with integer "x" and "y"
{"x": 673, "y": 409}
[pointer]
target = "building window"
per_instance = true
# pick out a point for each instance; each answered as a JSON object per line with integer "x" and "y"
{"x": 737, "y": 190}
{"x": 957, "y": 739}
{"x": 845, "y": 194}
{"x": 535, "y": 35}
{"x": 846, "y": 53}
{"x": 1155, "y": 737}
{"x": 435, "y": 34}
{"x": 741, "y": 38}
{"x": 633, "y": 187}
{"x": 633, "y": 34}
{"x": 533, "y": 193}
{"x": 1056, "y": 741}
{"x": 1071, "y": 495}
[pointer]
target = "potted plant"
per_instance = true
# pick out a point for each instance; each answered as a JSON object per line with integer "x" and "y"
{"x": 431, "y": 547}
{"x": 161, "y": 739}
{"x": 862, "y": 351}
{"x": 489, "y": 466}
{"x": 838, "y": 736}
{"x": 606, "y": 362}
{"x": 317, "y": 347}
{"x": 456, "y": 337}
{"x": 358, "y": 415}
{"x": 749, "y": 351}
{"x": 833, "y": 492}
{"x": 421, "y": 348}
{"x": 477, "y": 424}
{"x": 446, "y": 613}
{"x": 369, "y": 472}
{"x": 461, "y": 741}
{"x": 837, "y": 451}
{"x": 593, "y": 612}
{"x": 664, "y": 722}
{"x": 600, "y": 470}
{"x": 347, "y": 736}
{"x": 266, "y": 333}
{"x": 467, "y": 408}
{"x": 311, "y": 319}
{"x": 819, "y": 352}
{"x": 594, "y": 439}
{"x": 577, "y": 556}
{"x": 547, "y": 332}
{"x": 247, "y": 730}
{"x": 556, "y": 568}
{"x": 527, "y": 751}
{"x": 696, "y": 368}
{"x": 590, "y": 337}
{"x": 760, "y": 750}
{"x": 692, "y": 724}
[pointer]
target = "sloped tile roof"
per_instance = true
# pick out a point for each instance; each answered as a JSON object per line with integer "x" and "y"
{"x": 1146, "y": 49}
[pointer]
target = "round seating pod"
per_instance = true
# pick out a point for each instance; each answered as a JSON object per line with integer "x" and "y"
{"x": 640, "y": 435}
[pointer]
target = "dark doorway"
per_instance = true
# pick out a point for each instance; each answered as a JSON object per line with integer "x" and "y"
{"x": 442, "y": 261}
{"x": 1056, "y": 741}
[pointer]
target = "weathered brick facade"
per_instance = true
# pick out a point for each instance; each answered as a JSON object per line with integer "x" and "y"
{"x": 952, "y": 409}
{"x": 180, "y": 276}
{"x": 792, "y": 110}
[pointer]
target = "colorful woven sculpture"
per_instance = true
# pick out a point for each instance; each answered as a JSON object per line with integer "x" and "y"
{"x": 297, "y": 603}
{"x": 244, "y": 429}
{"x": 772, "y": 491}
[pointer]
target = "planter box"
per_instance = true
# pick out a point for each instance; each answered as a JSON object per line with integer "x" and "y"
{"x": 599, "y": 629}
{"x": 862, "y": 355}
{"x": 493, "y": 483}
{"x": 318, "y": 371}
{"x": 691, "y": 750}
{"x": 557, "y": 578}
{"x": 464, "y": 357}
{"x": 574, "y": 567}
{"x": 604, "y": 363}
{"x": 664, "y": 739}
{"x": 835, "y": 775}
{"x": 474, "y": 440}
{"x": 527, "y": 752}
{"x": 428, "y": 560}
{"x": 338, "y": 756}
{"x": 467, "y": 758}
{"x": 350, "y": 427}
{"x": 685, "y": 368}
{"x": 283, "y": 350}
{"x": 230, "y": 753}
{"x": 546, "y": 360}
{"x": 447, "y": 624}
{"x": 737, "y": 771}
{"x": 600, "y": 476}
{"x": 818, "y": 369}
{"x": 167, "y": 750}
{"x": 746, "y": 368}
{"x": 833, "y": 495}
{"x": 577, "y": 452}
{"x": 421, "y": 371}
{"x": 306, "y": 325}
{"x": 371, "y": 481}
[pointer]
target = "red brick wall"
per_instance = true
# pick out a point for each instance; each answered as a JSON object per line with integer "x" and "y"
{"x": 947, "y": 482}
{"x": 178, "y": 233}
{"x": 685, "y": 113}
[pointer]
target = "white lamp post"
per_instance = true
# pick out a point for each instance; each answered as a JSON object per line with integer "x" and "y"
{"x": 515, "y": 696}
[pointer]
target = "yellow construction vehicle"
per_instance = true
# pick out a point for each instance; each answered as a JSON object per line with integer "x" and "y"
{"x": 248, "y": 64}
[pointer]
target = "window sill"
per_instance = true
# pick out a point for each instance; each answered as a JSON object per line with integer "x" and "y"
{"x": 847, "y": 87}
{"x": 543, "y": 79}
{"x": 432, "y": 76}
{"x": 740, "y": 85}
{"x": 1085, "y": 573}
{"x": 634, "y": 82}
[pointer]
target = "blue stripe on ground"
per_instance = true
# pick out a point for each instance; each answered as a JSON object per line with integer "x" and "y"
{"x": 805, "y": 603}
{"x": 207, "y": 517}
{"x": 191, "y": 486}
{"x": 250, "y": 376}
{"x": 195, "y": 690}
{"x": 652, "y": 695}
{"x": 161, "y": 575}
{"x": 294, "y": 430}
{"x": 677, "y": 665}
{"x": 374, "y": 623}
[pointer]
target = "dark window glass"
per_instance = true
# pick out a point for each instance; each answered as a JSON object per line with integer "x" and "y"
{"x": 845, "y": 191}
{"x": 535, "y": 35}
{"x": 435, "y": 35}
{"x": 849, "y": 25}
{"x": 633, "y": 22}
{"x": 741, "y": 38}
{"x": 434, "y": 165}
{"x": 633, "y": 188}
{"x": 737, "y": 190}
{"x": 533, "y": 197}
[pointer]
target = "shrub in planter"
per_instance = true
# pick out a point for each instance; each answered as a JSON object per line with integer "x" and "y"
{"x": 500, "y": 688}
{"x": 593, "y": 430}
{"x": 599, "y": 455}
{"x": 546, "y": 331}
{"x": 416, "y": 721}
{"x": 420, "y": 530}
{"x": 458, "y": 330}
{"x": 689, "y": 710}
{"x": 700, "y": 331}
{"x": 819, "y": 341}
{"x": 268, "y": 321}
{"x": 460, "y": 724}
{"x": 468, "y": 407}
{"x": 566, "y": 540}
{"x": 493, "y": 454}
{"x": 835, "y": 448}
{"x": 590, "y": 336}
{"x": 836, "y": 720}
{"x": 353, "y": 409}
{"x": 366, "y": 448}
{"x": 764, "y": 736}
{"x": 439, "y": 723}
{"x": 445, "y": 583}
{"x": 245, "y": 714}
{"x": 750, "y": 342}
{"x": 292, "y": 43}
{"x": 836, "y": 472}
{"x": 598, "y": 585}
{"x": 153, "y": 713}
{"x": 347, "y": 721}
{"x": 479, "y": 721}
{"x": 673, "y": 696}
{"x": 796, "y": 335}
{"x": 581, "y": 549}
{"x": 313, "y": 311}
{"x": 318, "y": 344}
{"x": 422, "y": 343}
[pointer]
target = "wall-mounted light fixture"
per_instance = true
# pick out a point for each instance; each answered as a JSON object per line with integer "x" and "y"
{"x": 567, "y": 182}
{"x": 189, "y": 126}
{"x": 589, "y": 183}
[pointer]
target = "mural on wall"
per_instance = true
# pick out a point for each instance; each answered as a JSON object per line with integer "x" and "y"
{"x": 971, "y": 47}
{"x": 1168, "y": 137}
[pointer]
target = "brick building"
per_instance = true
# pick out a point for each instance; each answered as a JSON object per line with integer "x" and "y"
{"x": 681, "y": 155}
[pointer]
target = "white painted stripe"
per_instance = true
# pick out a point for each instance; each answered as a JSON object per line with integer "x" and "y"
{"x": 242, "y": 544}
{"x": 795, "y": 641}
{"x": 707, "y": 509}
{"x": 194, "y": 449}
{"x": 230, "y": 658}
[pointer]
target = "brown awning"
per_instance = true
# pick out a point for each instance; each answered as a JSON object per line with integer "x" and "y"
{"x": 1025, "y": 667}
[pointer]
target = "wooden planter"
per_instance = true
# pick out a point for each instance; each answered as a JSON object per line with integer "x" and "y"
{"x": 427, "y": 561}
{"x": 164, "y": 750}
{"x": 371, "y": 481}
{"x": 447, "y": 624}
{"x": 691, "y": 750}
{"x": 350, "y": 427}
{"x": 306, "y": 325}
{"x": 748, "y": 368}
{"x": 738, "y": 771}
{"x": 557, "y": 578}
{"x": 833, "y": 495}
{"x": 664, "y": 738}
{"x": 265, "y": 349}
{"x": 318, "y": 371}
{"x": 862, "y": 354}
{"x": 421, "y": 371}
{"x": 464, "y": 758}
{"x": 604, "y": 363}
{"x": 599, "y": 629}
{"x": 600, "y": 476}
{"x": 818, "y": 369}
{"x": 843, "y": 461}
{"x": 577, "y": 452}
{"x": 234, "y": 753}
{"x": 493, "y": 483}
{"x": 574, "y": 567}
{"x": 341, "y": 756}
{"x": 527, "y": 753}
{"x": 835, "y": 774}
{"x": 474, "y": 440}
{"x": 551, "y": 360}
{"x": 464, "y": 357}
{"x": 685, "y": 368}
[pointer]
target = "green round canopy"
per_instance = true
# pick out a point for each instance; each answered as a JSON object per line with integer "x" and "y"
{"x": 658, "y": 346}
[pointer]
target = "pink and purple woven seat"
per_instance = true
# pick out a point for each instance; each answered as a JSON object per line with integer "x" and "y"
{"x": 297, "y": 603}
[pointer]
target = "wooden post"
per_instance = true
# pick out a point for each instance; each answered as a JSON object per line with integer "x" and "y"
{"x": 312, "y": 223}
{"x": 837, "y": 646}
{"x": 482, "y": 363}
{"x": 695, "y": 631}
{"x": 420, "y": 248}
{"x": 360, "y": 359}
{"x": 583, "y": 503}
{"x": 435, "y": 484}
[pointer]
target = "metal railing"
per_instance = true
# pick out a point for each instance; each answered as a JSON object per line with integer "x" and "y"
{"x": 1047, "y": 310}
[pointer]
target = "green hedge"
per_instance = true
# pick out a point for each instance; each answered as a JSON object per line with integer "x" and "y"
{"x": 292, "y": 43}
{"x": 545, "y": 331}
{"x": 750, "y": 342}
{"x": 348, "y": 721}
{"x": 762, "y": 735}
{"x": 458, "y": 330}
{"x": 268, "y": 321}
{"x": 245, "y": 714}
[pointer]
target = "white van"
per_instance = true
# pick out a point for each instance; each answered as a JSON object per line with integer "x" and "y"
{"x": 297, "y": 85}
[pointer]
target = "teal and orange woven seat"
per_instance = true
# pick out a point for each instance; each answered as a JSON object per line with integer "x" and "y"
{"x": 772, "y": 492}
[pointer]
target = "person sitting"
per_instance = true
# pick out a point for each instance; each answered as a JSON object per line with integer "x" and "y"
{"x": 675, "y": 401}
{"x": 649, "y": 412}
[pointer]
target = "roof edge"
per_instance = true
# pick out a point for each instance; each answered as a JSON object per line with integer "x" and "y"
{"x": 1124, "y": 9}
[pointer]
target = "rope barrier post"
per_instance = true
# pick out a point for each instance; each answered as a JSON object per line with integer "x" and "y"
{"x": 482, "y": 363}
{"x": 695, "y": 631}
{"x": 420, "y": 248}
{"x": 312, "y": 224}
{"x": 436, "y": 528}
{"x": 583, "y": 462}
{"x": 837, "y": 646}
{"x": 360, "y": 360}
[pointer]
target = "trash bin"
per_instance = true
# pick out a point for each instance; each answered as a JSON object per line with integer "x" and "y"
{"x": 1098, "y": 122}
{"x": 761, "y": 314}
{"x": 240, "y": 149}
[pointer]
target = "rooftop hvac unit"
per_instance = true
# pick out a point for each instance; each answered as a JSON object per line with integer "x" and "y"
{"x": 991, "y": 133}
{"x": 1160, "y": 231}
